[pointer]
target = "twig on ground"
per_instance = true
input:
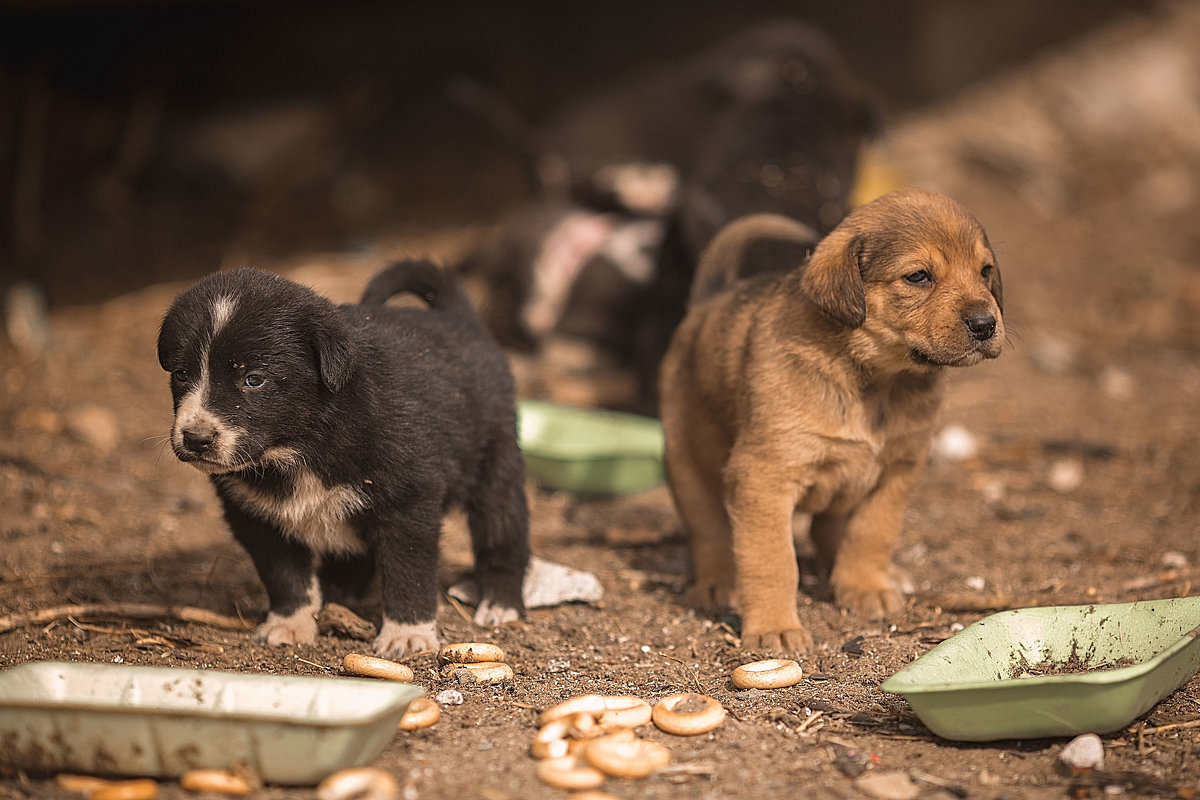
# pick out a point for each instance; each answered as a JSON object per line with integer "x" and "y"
{"x": 200, "y": 616}
{"x": 1171, "y": 726}
{"x": 457, "y": 606}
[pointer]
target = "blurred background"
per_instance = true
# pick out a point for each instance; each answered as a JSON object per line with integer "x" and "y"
{"x": 144, "y": 141}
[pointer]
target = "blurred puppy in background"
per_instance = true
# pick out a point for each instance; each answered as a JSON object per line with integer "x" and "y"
{"x": 635, "y": 181}
{"x": 812, "y": 385}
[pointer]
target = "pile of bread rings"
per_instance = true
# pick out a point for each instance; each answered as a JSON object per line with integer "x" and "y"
{"x": 580, "y": 742}
{"x": 584, "y": 740}
{"x": 474, "y": 662}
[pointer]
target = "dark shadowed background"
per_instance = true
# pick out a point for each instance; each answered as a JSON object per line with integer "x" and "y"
{"x": 147, "y": 140}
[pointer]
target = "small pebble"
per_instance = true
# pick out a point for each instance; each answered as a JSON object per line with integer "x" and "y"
{"x": 955, "y": 443}
{"x": 1173, "y": 559}
{"x": 449, "y": 697}
{"x": 1117, "y": 384}
{"x": 887, "y": 785}
{"x": 1054, "y": 355}
{"x": 94, "y": 425}
{"x": 1083, "y": 752}
{"x": 1066, "y": 475}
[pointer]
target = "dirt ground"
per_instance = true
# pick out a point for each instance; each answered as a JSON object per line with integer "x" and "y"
{"x": 1084, "y": 167}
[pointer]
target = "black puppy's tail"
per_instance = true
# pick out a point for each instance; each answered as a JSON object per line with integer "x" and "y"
{"x": 438, "y": 287}
{"x": 753, "y": 245}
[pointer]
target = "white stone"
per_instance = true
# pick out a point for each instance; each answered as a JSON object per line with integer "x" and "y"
{"x": 887, "y": 785}
{"x": 1083, "y": 752}
{"x": 1066, "y": 475}
{"x": 955, "y": 443}
{"x": 546, "y": 584}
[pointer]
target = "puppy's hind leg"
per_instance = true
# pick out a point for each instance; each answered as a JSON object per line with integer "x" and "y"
{"x": 498, "y": 516}
{"x": 698, "y": 494}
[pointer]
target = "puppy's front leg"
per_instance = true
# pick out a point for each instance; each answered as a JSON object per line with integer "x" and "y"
{"x": 286, "y": 570}
{"x": 761, "y": 500}
{"x": 407, "y": 555}
{"x": 861, "y": 566}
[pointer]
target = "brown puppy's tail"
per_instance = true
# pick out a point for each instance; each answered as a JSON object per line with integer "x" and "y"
{"x": 757, "y": 244}
{"x": 438, "y": 287}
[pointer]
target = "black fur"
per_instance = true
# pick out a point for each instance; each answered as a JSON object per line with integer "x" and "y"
{"x": 390, "y": 415}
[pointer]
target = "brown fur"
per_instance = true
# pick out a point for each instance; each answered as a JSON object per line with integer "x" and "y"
{"x": 815, "y": 390}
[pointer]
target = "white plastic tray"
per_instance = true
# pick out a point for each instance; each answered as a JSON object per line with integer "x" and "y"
{"x": 162, "y": 721}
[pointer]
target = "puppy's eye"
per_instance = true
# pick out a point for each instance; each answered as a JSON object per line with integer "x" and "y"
{"x": 253, "y": 380}
{"x": 180, "y": 376}
{"x": 919, "y": 278}
{"x": 986, "y": 272}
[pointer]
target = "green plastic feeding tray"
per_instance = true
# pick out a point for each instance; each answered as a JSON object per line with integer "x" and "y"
{"x": 590, "y": 451}
{"x": 129, "y": 720}
{"x": 1053, "y": 670}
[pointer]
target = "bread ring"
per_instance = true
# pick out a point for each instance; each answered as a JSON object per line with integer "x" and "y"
{"x": 140, "y": 789}
{"x": 582, "y": 704}
{"x": 359, "y": 783}
{"x": 80, "y": 784}
{"x": 217, "y": 781}
{"x": 483, "y": 673}
{"x": 621, "y": 711}
{"x": 372, "y": 667}
{"x": 569, "y": 772}
{"x": 626, "y": 759}
{"x": 469, "y": 653}
{"x": 688, "y": 714}
{"x": 551, "y": 739}
{"x": 773, "y": 673}
{"x": 421, "y": 713}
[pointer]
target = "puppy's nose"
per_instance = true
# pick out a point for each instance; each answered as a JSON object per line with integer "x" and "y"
{"x": 197, "y": 442}
{"x": 981, "y": 326}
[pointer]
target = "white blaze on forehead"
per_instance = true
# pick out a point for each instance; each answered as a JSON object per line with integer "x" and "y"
{"x": 193, "y": 413}
{"x": 222, "y": 311}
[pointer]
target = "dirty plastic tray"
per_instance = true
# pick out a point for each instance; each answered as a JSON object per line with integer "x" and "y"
{"x": 162, "y": 721}
{"x": 590, "y": 451}
{"x": 1053, "y": 670}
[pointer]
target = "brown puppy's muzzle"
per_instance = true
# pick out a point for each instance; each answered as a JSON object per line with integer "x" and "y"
{"x": 981, "y": 325}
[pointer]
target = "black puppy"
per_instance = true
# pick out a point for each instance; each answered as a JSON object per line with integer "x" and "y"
{"x": 338, "y": 436}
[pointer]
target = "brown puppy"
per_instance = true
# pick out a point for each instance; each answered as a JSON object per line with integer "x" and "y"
{"x": 814, "y": 388}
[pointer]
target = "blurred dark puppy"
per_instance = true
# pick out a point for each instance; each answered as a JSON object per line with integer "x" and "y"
{"x": 769, "y": 120}
{"x": 564, "y": 269}
{"x": 814, "y": 387}
{"x": 338, "y": 436}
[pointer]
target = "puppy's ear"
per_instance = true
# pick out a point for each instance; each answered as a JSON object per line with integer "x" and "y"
{"x": 996, "y": 287}
{"x": 335, "y": 352}
{"x": 165, "y": 344}
{"x": 833, "y": 279}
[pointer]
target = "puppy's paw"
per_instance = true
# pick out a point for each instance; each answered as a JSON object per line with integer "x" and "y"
{"x": 789, "y": 640}
{"x": 297, "y": 628}
{"x": 398, "y": 639}
{"x": 712, "y": 596}
{"x": 873, "y": 598}
{"x": 492, "y": 613}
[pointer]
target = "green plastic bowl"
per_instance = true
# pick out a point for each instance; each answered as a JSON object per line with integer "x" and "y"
{"x": 110, "y": 719}
{"x": 590, "y": 451}
{"x": 1053, "y": 670}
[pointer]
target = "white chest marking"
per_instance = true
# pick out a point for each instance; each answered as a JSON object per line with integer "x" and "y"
{"x": 314, "y": 514}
